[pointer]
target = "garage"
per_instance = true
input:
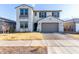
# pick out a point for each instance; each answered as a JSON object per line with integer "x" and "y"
{"x": 50, "y": 27}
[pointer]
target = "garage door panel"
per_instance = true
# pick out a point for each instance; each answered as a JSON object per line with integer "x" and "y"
{"x": 49, "y": 27}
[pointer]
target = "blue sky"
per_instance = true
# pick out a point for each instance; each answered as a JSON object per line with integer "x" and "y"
{"x": 68, "y": 10}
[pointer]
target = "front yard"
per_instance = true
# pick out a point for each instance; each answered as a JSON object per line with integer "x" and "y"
{"x": 75, "y": 36}
{"x": 21, "y": 36}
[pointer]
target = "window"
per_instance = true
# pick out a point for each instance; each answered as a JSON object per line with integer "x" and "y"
{"x": 21, "y": 12}
{"x": 52, "y": 13}
{"x": 23, "y": 24}
{"x": 55, "y": 14}
{"x": 35, "y": 13}
{"x": 42, "y": 14}
{"x": 24, "y": 12}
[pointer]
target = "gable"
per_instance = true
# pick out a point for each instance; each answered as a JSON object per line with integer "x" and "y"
{"x": 24, "y": 6}
{"x": 50, "y": 19}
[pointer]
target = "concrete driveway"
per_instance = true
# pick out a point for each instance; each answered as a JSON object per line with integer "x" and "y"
{"x": 60, "y": 43}
{"x": 56, "y": 43}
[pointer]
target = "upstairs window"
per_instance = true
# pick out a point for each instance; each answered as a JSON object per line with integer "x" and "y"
{"x": 21, "y": 11}
{"x": 55, "y": 14}
{"x": 35, "y": 13}
{"x": 24, "y": 12}
{"x": 42, "y": 14}
{"x": 52, "y": 13}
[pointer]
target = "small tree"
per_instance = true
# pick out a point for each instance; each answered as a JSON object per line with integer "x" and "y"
{"x": 5, "y": 27}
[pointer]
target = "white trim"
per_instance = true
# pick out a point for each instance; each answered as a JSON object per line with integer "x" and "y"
{"x": 51, "y": 20}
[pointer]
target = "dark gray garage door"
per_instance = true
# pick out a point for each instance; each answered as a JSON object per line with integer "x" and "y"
{"x": 50, "y": 27}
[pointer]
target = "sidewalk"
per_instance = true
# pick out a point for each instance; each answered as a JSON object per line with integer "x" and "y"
{"x": 53, "y": 46}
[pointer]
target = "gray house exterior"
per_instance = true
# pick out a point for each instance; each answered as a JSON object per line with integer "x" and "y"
{"x": 11, "y": 24}
{"x": 71, "y": 25}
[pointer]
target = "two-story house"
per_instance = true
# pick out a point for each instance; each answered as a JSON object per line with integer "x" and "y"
{"x": 28, "y": 19}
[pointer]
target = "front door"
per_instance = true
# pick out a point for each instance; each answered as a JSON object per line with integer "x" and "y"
{"x": 35, "y": 27}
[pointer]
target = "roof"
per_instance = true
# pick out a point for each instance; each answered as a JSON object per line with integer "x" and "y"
{"x": 24, "y": 5}
{"x": 6, "y": 20}
{"x": 48, "y": 10}
{"x": 73, "y": 20}
{"x": 39, "y": 10}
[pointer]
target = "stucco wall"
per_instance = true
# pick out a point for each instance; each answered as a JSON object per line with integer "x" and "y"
{"x": 61, "y": 27}
{"x": 36, "y": 18}
{"x": 29, "y": 19}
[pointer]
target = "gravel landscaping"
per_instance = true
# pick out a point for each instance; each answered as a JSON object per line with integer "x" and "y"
{"x": 23, "y": 50}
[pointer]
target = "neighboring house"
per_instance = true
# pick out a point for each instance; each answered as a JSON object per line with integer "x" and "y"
{"x": 28, "y": 19}
{"x": 7, "y": 23}
{"x": 71, "y": 25}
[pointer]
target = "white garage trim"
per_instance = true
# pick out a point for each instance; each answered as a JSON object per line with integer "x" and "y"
{"x": 50, "y": 20}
